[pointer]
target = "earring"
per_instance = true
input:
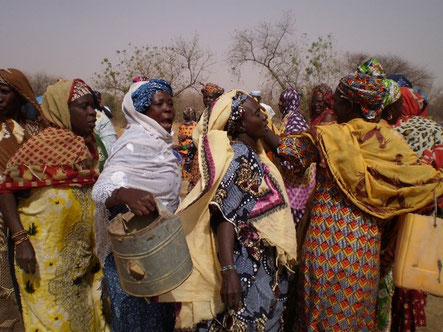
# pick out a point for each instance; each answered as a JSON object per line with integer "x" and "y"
{"x": 389, "y": 116}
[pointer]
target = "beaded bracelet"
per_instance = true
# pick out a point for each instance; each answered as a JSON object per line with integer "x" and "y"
{"x": 20, "y": 241}
{"x": 18, "y": 234}
{"x": 227, "y": 267}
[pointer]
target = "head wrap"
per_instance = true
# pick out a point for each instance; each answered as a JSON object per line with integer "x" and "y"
{"x": 17, "y": 81}
{"x": 374, "y": 68}
{"x": 292, "y": 99}
{"x": 142, "y": 97}
{"x": 415, "y": 101}
{"x": 57, "y": 97}
{"x": 236, "y": 112}
{"x": 211, "y": 87}
{"x": 140, "y": 79}
{"x": 190, "y": 113}
{"x": 368, "y": 91}
{"x": 401, "y": 80}
{"x": 325, "y": 93}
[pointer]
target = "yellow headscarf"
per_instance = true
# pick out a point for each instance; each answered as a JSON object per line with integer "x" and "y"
{"x": 200, "y": 294}
{"x": 376, "y": 168}
{"x": 55, "y": 104}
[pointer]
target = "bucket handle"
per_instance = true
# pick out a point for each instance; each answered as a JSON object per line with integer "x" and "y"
{"x": 126, "y": 217}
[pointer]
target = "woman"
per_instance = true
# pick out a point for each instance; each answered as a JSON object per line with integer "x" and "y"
{"x": 299, "y": 187}
{"x": 210, "y": 92}
{"x": 237, "y": 226}
{"x": 51, "y": 175}
{"x": 20, "y": 119}
{"x": 320, "y": 105}
{"x": 142, "y": 167}
{"x": 185, "y": 135}
{"x": 425, "y": 137}
{"x": 358, "y": 161}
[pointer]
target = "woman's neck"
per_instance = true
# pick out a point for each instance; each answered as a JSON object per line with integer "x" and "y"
{"x": 246, "y": 139}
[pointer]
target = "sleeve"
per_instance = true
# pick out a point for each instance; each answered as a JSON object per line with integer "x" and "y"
{"x": 237, "y": 193}
{"x": 107, "y": 133}
{"x": 299, "y": 151}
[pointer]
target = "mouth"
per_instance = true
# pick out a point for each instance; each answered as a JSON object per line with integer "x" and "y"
{"x": 167, "y": 124}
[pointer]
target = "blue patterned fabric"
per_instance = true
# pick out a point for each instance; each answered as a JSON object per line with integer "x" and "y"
{"x": 264, "y": 289}
{"x": 142, "y": 97}
{"x": 134, "y": 314}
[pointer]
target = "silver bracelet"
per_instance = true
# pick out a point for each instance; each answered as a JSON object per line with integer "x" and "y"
{"x": 227, "y": 267}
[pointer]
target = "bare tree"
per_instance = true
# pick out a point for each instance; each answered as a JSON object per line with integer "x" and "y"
{"x": 285, "y": 60}
{"x": 40, "y": 82}
{"x": 183, "y": 64}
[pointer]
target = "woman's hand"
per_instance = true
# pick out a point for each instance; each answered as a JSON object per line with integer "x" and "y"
{"x": 231, "y": 290}
{"x": 140, "y": 202}
{"x": 25, "y": 257}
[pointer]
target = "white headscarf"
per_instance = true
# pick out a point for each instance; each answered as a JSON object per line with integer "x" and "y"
{"x": 142, "y": 158}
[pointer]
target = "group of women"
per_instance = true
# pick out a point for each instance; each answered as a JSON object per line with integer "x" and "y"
{"x": 340, "y": 178}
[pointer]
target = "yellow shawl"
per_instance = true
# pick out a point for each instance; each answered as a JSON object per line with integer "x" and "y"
{"x": 200, "y": 294}
{"x": 376, "y": 169}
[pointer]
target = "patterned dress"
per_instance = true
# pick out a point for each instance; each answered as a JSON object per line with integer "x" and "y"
{"x": 340, "y": 256}
{"x": 264, "y": 288}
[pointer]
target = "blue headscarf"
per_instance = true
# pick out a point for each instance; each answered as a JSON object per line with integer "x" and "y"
{"x": 142, "y": 97}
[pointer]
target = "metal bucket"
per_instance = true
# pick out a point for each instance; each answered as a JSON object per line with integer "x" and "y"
{"x": 150, "y": 252}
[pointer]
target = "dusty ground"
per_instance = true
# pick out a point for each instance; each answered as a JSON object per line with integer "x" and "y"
{"x": 434, "y": 314}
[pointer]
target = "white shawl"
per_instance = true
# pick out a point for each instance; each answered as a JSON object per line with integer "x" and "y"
{"x": 142, "y": 158}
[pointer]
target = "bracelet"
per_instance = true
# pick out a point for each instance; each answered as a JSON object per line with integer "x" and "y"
{"x": 19, "y": 234}
{"x": 23, "y": 239}
{"x": 227, "y": 267}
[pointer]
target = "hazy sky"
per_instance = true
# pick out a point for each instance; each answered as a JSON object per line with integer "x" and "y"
{"x": 70, "y": 38}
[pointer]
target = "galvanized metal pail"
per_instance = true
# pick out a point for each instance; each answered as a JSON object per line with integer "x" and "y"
{"x": 151, "y": 253}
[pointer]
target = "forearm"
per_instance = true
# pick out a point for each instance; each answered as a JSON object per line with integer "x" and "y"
{"x": 272, "y": 140}
{"x": 225, "y": 239}
{"x": 8, "y": 208}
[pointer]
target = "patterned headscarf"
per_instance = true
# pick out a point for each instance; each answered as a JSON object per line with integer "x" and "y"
{"x": 374, "y": 68}
{"x": 401, "y": 80}
{"x": 325, "y": 92}
{"x": 292, "y": 99}
{"x": 140, "y": 79}
{"x": 236, "y": 112}
{"x": 142, "y": 97}
{"x": 79, "y": 89}
{"x": 368, "y": 91}
{"x": 211, "y": 87}
{"x": 190, "y": 113}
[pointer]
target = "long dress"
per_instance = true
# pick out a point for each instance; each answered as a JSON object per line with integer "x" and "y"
{"x": 63, "y": 294}
{"x": 339, "y": 268}
{"x": 264, "y": 287}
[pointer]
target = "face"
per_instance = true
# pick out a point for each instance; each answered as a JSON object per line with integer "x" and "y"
{"x": 395, "y": 110}
{"x": 318, "y": 104}
{"x": 162, "y": 110}
{"x": 209, "y": 98}
{"x": 83, "y": 115}
{"x": 282, "y": 104}
{"x": 9, "y": 102}
{"x": 254, "y": 121}
{"x": 342, "y": 108}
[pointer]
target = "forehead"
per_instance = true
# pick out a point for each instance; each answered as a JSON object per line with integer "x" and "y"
{"x": 251, "y": 104}
{"x": 85, "y": 98}
{"x": 161, "y": 95}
